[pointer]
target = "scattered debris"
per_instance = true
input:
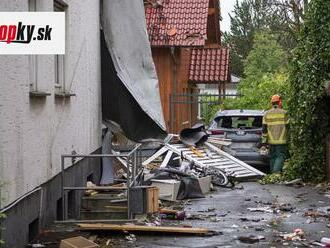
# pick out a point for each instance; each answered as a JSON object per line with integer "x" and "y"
{"x": 297, "y": 181}
{"x": 297, "y": 235}
{"x": 264, "y": 203}
{"x": 195, "y": 217}
{"x": 262, "y": 209}
{"x": 326, "y": 242}
{"x": 207, "y": 210}
{"x": 172, "y": 214}
{"x": 250, "y": 219}
{"x": 36, "y": 245}
{"x": 317, "y": 213}
{"x": 325, "y": 210}
{"x": 251, "y": 239}
{"x": 130, "y": 238}
{"x": 286, "y": 207}
{"x": 108, "y": 242}
{"x": 259, "y": 229}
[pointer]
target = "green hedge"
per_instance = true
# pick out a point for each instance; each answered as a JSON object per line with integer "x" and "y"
{"x": 309, "y": 114}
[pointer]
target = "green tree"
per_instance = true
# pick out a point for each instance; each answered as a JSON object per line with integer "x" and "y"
{"x": 265, "y": 75}
{"x": 248, "y": 17}
{"x": 281, "y": 17}
{"x": 267, "y": 56}
{"x": 308, "y": 104}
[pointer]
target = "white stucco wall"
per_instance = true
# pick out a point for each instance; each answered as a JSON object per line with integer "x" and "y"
{"x": 34, "y": 132}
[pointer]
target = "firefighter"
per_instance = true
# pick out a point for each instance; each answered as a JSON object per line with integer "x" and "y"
{"x": 275, "y": 125}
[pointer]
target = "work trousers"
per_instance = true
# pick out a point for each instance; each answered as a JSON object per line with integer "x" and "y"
{"x": 277, "y": 157}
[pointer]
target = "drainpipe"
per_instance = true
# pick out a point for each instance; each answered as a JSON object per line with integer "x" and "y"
{"x": 174, "y": 90}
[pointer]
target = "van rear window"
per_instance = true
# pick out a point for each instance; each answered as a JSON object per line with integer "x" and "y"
{"x": 242, "y": 122}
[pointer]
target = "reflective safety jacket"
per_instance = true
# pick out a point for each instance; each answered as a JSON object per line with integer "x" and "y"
{"x": 275, "y": 123}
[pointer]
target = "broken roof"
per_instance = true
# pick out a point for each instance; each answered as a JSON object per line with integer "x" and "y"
{"x": 209, "y": 65}
{"x": 177, "y": 22}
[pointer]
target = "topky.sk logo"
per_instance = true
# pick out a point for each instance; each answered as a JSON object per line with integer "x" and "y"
{"x": 32, "y": 32}
{"x": 21, "y": 33}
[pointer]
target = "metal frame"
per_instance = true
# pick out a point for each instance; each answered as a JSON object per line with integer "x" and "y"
{"x": 193, "y": 98}
{"x": 134, "y": 170}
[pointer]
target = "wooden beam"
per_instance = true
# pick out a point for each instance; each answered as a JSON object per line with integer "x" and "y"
{"x": 137, "y": 228}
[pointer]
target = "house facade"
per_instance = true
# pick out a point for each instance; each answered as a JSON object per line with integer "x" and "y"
{"x": 186, "y": 46}
{"x": 49, "y": 105}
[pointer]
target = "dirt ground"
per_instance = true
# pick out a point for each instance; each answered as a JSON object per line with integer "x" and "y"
{"x": 270, "y": 213}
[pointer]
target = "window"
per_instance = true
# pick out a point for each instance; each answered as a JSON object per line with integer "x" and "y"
{"x": 242, "y": 122}
{"x": 59, "y": 72}
{"x": 33, "y": 59}
{"x": 59, "y": 60}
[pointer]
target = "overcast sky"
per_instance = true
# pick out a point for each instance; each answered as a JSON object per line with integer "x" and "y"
{"x": 227, "y": 6}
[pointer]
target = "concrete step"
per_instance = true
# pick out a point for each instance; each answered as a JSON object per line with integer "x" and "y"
{"x": 102, "y": 215}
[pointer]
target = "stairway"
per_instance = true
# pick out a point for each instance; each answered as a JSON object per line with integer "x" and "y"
{"x": 104, "y": 206}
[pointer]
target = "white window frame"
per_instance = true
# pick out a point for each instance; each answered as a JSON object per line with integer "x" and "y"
{"x": 59, "y": 67}
{"x": 33, "y": 59}
{"x": 59, "y": 59}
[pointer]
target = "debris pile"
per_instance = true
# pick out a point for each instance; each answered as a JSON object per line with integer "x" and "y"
{"x": 185, "y": 165}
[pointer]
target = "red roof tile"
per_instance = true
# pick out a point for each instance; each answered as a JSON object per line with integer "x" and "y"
{"x": 177, "y": 22}
{"x": 209, "y": 65}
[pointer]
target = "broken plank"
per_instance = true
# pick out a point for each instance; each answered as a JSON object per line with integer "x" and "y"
{"x": 166, "y": 159}
{"x": 156, "y": 155}
{"x": 137, "y": 228}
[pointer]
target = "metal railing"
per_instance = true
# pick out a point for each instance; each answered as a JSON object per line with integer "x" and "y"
{"x": 133, "y": 169}
{"x": 196, "y": 105}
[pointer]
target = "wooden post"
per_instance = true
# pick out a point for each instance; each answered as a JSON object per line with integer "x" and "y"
{"x": 224, "y": 90}
{"x": 220, "y": 92}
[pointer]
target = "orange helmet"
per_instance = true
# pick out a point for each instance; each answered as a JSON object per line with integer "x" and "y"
{"x": 276, "y": 98}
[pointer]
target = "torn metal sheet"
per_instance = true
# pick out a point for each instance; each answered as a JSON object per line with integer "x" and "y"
{"x": 126, "y": 39}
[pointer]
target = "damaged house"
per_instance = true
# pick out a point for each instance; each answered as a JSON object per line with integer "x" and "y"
{"x": 186, "y": 47}
{"x": 49, "y": 105}
{"x": 52, "y": 105}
